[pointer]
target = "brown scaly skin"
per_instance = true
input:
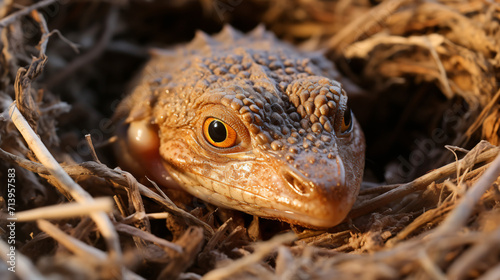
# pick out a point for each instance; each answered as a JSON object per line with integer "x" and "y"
{"x": 295, "y": 159}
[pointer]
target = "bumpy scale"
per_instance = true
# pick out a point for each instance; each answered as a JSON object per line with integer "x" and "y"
{"x": 246, "y": 122}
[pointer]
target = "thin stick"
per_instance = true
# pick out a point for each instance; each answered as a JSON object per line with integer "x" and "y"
{"x": 45, "y": 31}
{"x": 430, "y": 267}
{"x": 133, "y": 231}
{"x": 461, "y": 213}
{"x": 118, "y": 177}
{"x": 79, "y": 248}
{"x": 378, "y": 189}
{"x": 72, "y": 244}
{"x": 68, "y": 210}
{"x": 158, "y": 216}
{"x": 480, "y": 119}
{"x": 41, "y": 152}
{"x": 64, "y": 180}
{"x": 479, "y": 252}
{"x": 262, "y": 249}
{"x": 364, "y": 23}
{"x": 442, "y": 71}
{"x": 88, "y": 137}
{"x": 42, "y": 45}
{"x": 415, "y": 185}
{"x": 15, "y": 16}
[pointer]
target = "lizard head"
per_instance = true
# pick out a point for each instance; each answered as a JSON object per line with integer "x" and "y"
{"x": 296, "y": 157}
{"x": 262, "y": 131}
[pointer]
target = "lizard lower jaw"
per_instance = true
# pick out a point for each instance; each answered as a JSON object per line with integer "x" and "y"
{"x": 316, "y": 209}
{"x": 305, "y": 219}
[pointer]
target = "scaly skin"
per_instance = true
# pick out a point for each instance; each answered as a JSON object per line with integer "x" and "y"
{"x": 295, "y": 158}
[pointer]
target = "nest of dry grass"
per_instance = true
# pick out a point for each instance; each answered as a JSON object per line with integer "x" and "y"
{"x": 423, "y": 79}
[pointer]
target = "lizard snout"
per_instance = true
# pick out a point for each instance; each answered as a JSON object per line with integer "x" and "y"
{"x": 309, "y": 178}
{"x": 319, "y": 190}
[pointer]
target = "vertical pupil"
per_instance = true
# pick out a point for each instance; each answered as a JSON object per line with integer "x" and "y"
{"x": 217, "y": 131}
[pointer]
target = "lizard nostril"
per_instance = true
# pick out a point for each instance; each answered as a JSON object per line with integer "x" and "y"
{"x": 295, "y": 184}
{"x": 296, "y": 180}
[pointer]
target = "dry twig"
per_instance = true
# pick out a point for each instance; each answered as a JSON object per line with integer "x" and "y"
{"x": 68, "y": 210}
{"x": 17, "y": 15}
{"x": 66, "y": 183}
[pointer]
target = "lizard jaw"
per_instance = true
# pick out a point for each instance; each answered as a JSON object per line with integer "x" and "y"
{"x": 308, "y": 209}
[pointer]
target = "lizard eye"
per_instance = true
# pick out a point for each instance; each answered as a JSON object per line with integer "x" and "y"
{"x": 218, "y": 133}
{"x": 346, "y": 121}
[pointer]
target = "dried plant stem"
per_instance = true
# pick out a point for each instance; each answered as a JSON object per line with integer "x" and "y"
{"x": 169, "y": 204}
{"x": 65, "y": 182}
{"x": 15, "y": 16}
{"x": 42, "y": 45}
{"x": 479, "y": 121}
{"x": 430, "y": 267}
{"x": 480, "y": 250}
{"x": 120, "y": 178}
{"x": 191, "y": 242}
{"x": 41, "y": 152}
{"x": 45, "y": 31}
{"x": 262, "y": 250}
{"x": 88, "y": 137}
{"x": 442, "y": 71}
{"x": 363, "y": 24}
{"x": 68, "y": 210}
{"x": 378, "y": 189}
{"x": 158, "y": 216}
{"x": 461, "y": 213}
{"x": 24, "y": 267}
{"x": 78, "y": 247}
{"x": 428, "y": 216}
{"x": 417, "y": 184}
{"x": 133, "y": 231}
{"x": 363, "y": 48}
{"x": 74, "y": 245}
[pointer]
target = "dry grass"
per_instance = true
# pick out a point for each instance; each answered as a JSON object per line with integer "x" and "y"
{"x": 423, "y": 79}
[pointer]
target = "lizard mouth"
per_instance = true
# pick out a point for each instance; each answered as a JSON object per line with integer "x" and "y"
{"x": 287, "y": 195}
{"x": 301, "y": 219}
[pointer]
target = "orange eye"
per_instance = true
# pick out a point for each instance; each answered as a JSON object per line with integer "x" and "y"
{"x": 218, "y": 133}
{"x": 346, "y": 121}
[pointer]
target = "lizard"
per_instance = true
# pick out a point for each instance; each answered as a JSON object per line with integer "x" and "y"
{"x": 246, "y": 122}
